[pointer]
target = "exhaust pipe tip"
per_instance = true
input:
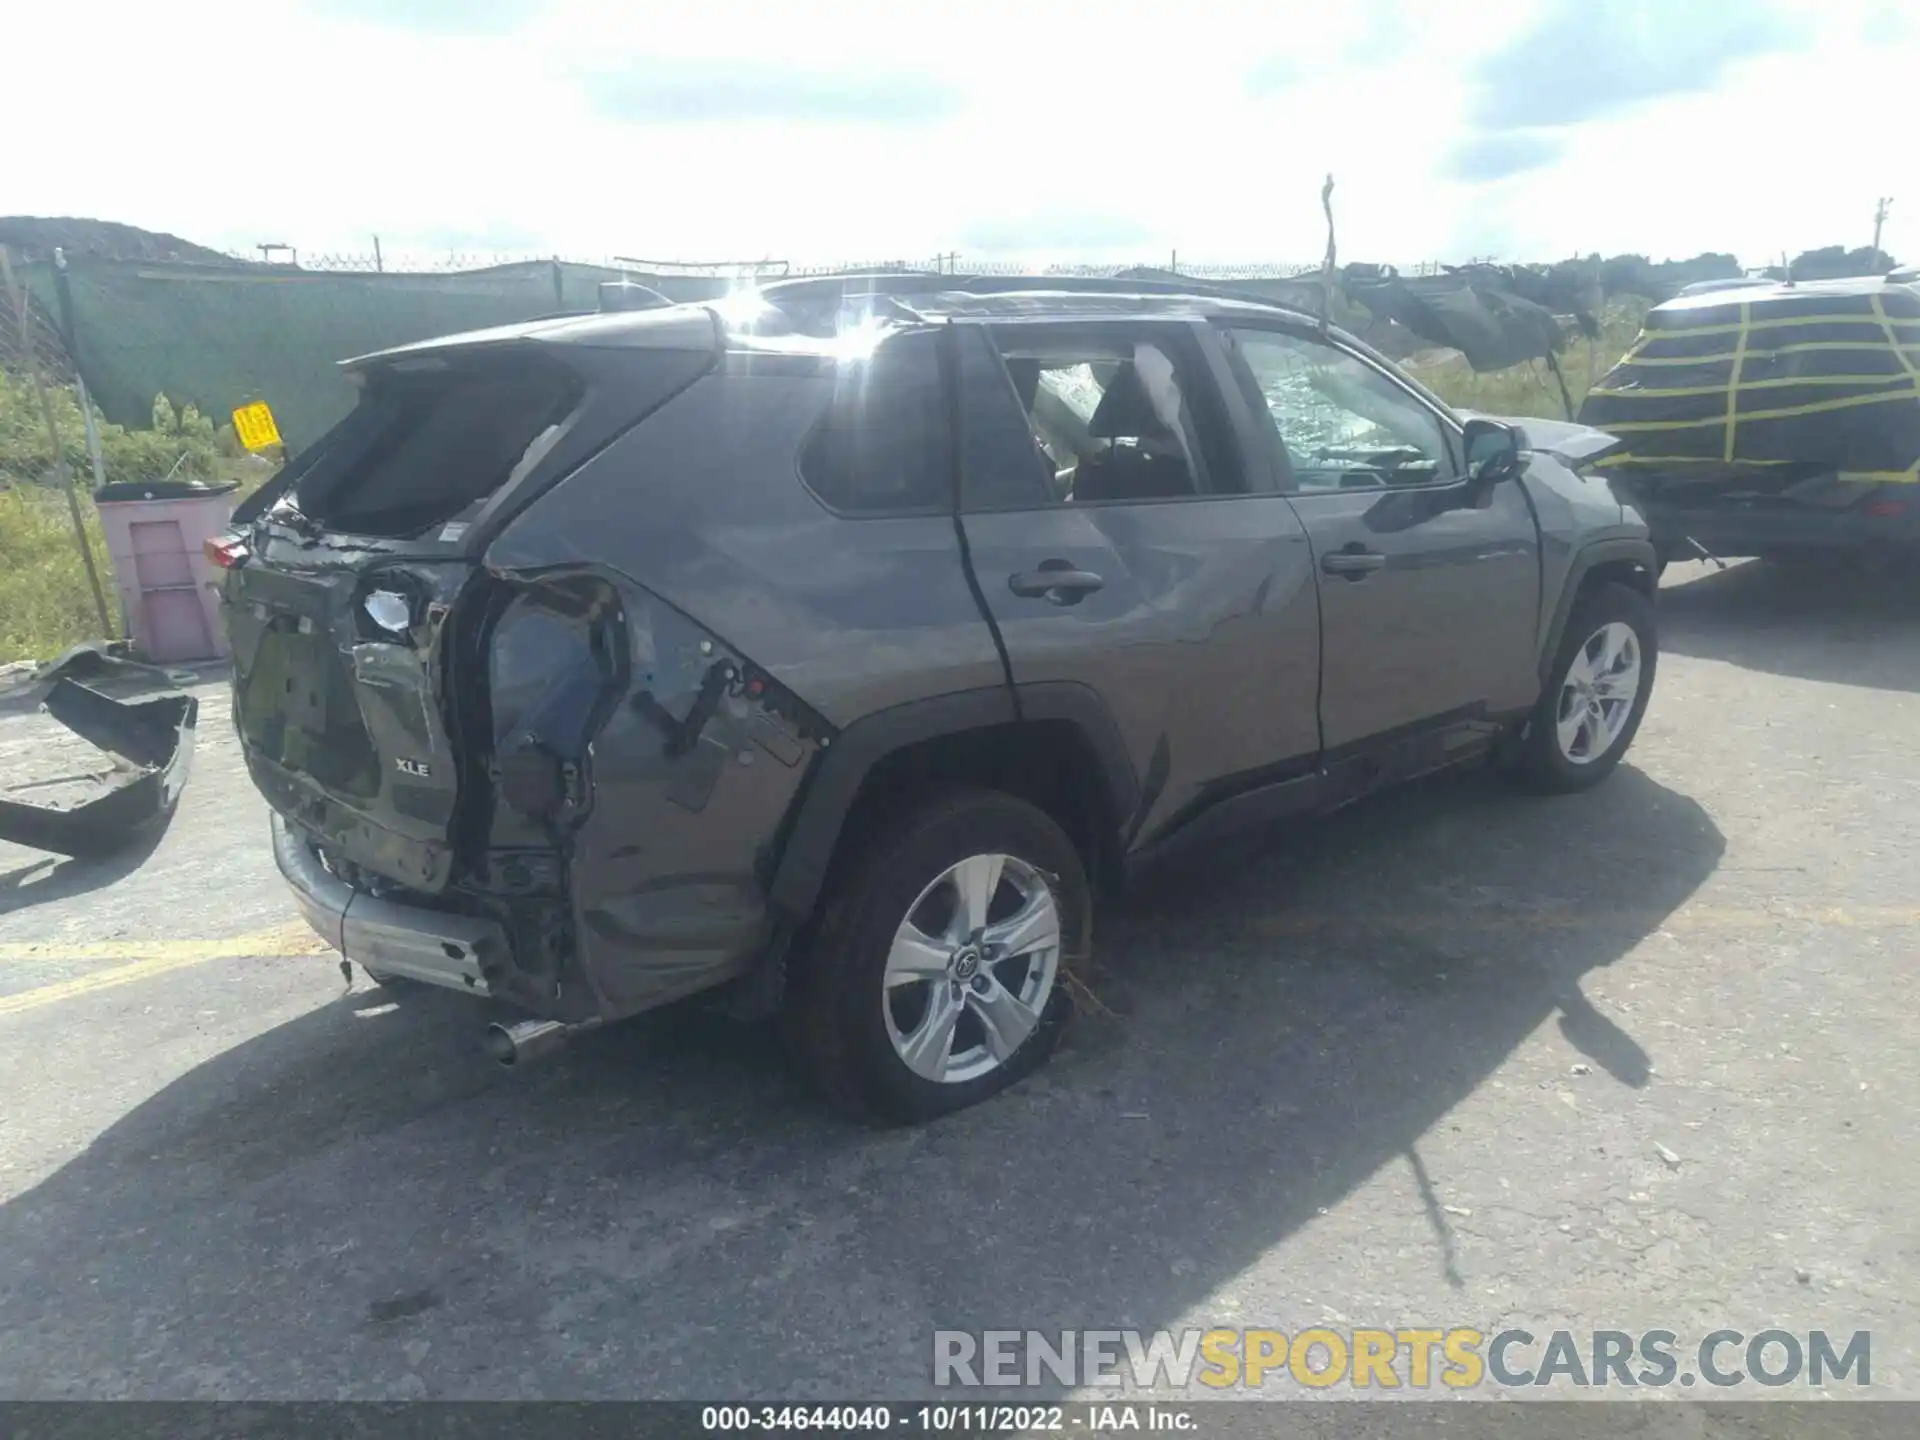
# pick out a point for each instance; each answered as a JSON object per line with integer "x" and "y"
{"x": 511, "y": 1045}
{"x": 498, "y": 1043}
{"x": 528, "y": 1040}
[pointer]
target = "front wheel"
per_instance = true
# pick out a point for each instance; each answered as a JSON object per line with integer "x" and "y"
{"x": 1595, "y": 697}
{"x": 937, "y": 977}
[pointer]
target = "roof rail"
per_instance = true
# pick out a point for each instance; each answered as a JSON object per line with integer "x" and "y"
{"x": 834, "y": 289}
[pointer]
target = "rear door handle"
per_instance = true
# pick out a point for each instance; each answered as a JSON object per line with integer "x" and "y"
{"x": 1055, "y": 580}
{"x": 1354, "y": 564}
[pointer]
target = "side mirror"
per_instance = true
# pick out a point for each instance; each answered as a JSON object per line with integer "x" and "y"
{"x": 1492, "y": 450}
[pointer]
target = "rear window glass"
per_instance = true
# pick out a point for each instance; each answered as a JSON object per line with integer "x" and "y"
{"x": 428, "y": 447}
{"x": 881, "y": 448}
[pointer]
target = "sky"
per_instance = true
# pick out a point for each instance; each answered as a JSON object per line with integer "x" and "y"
{"x": 1038, "y": 131}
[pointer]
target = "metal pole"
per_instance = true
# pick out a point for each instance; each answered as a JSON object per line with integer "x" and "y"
{"x": 379, "y": 266}
{"x": 1326, "y": 267}
{"x": 68, "y": 335}
{"x": 94, "y": 453}
{"x": 61, "y": 472}
{"x": 1879, "y": 219}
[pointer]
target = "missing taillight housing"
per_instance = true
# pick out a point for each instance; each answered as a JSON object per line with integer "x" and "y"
{"x": 228, "y": 552}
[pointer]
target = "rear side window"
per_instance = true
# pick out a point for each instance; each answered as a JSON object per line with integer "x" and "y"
{"x": 429, "y": 446}
{"x": 882, "y": 446}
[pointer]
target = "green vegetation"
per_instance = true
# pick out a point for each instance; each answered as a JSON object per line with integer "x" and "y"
{"x": 45, "y": 605}
{"x": 1530, "y": 389}
{"x": 182, "y": 442}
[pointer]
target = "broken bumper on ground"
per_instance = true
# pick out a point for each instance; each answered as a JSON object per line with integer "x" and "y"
{"x": 154, "y": 736}
{"x": 386, "y": 937}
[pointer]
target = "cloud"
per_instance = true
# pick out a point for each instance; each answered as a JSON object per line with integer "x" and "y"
{"x": 1057, "y": 232}
{"x": 498, "y": 237}
{"x": 434, "y": 17}
{"x": 1889, "y": 24}
{"x": 1273, "y": 74}
{"x": 1371, "y": 33}
{"x": 660, "y": 91}
{"x": 1497, "y": 155}
{"x": 1587, "y": 58}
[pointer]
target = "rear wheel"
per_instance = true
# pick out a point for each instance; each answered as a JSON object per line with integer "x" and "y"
{"x": 1595, "y": 697}
{"x": 937, "y": 977}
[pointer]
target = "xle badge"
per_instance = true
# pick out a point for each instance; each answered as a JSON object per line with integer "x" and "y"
{"x": 412, "y": 767}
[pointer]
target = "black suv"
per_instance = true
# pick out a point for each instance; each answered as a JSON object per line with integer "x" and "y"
{"x": 835, "y": 643}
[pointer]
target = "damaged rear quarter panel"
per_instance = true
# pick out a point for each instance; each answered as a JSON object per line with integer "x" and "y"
{"x": 756, "y": 623}
{"x": 668, "y": 763}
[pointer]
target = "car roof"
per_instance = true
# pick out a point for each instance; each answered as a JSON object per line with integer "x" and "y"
{"x": 1801, "y": 294}
{"x": 807, "y": 314}
{"x": 1053, "y": 297}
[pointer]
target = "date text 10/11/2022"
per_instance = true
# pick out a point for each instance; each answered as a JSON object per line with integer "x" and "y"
{"x": 1094, "y": 1418}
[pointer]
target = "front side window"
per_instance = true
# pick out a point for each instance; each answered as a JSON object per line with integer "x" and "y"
{"x": 1344, "y": 425}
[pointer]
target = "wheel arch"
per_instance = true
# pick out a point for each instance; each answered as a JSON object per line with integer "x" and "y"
{"x": 1056, "y": 745}
{"x": 1625, "y": 560}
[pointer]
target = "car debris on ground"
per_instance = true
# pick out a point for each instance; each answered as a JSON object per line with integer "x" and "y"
{"x": 148, "y": 745}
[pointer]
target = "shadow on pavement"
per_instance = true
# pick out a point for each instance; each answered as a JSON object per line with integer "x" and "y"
{"x": 354, "y": 1204}
{"x": 58, "y": 877}
{"x": 1836, "y": 622}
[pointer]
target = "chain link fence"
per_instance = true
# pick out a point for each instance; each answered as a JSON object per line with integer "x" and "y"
{"x": 52, "y": 555}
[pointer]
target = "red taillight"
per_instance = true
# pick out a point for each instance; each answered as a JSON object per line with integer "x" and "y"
{"x": 226, "y": 551}
{"x": 1884, "y": 509}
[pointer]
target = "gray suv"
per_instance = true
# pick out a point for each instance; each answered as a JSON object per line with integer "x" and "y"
{"x": 829, "y": 648}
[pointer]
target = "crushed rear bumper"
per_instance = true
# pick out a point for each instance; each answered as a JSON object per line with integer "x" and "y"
{"x": 387, "y": 937}
{"x": 153, "y": 737}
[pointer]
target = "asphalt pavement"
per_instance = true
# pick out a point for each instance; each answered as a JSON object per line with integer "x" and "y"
{"x": 1639, "y": 1059}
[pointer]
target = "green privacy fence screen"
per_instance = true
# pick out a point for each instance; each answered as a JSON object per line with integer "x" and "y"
{"x": 218, "y": 337}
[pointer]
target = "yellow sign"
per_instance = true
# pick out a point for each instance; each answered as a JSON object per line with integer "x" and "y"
{"x": 254, "y": 425}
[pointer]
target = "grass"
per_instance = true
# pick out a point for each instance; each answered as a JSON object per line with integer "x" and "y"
{"x": 1530, "y": 389}
{"x": 45, "y": 604}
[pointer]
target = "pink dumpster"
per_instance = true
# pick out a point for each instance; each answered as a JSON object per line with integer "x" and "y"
{"x": 156, "y": 535}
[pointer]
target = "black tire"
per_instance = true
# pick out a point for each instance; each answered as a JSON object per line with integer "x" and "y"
{"x": 1541, "y": 766}
{"x": 835, "y": 1017}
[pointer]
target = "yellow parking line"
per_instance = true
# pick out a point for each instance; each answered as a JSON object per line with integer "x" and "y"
{"x": 260, "y": 942}
{"x": 143, "y": 960}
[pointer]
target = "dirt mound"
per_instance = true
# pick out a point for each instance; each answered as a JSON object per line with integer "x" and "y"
{"x": 35, "y": 237}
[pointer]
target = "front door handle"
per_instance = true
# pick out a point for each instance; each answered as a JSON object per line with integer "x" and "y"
{"x": 1055, "y": 580}
{"x": 1352, "y": 562}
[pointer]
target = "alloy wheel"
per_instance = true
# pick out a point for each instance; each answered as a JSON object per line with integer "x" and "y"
{"x": 971, "y": 968}
{"x": 1596, "y": 698}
